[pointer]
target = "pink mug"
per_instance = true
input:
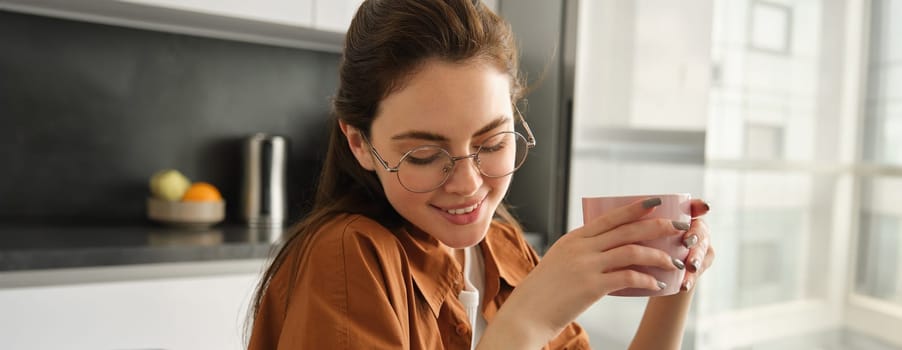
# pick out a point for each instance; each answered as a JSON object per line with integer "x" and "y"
{"x": 673, "y": 206}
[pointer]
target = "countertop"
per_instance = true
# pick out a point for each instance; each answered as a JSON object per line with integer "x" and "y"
{"x": 43, "y": 247}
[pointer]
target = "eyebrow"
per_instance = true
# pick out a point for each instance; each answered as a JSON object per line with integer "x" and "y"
{"x": 430, "y": 136}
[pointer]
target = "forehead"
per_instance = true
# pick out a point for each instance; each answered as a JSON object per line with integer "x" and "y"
{"x": 452, "y": 99}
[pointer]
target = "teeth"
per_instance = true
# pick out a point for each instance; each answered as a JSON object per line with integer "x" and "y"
{"x": 462, "y": 210}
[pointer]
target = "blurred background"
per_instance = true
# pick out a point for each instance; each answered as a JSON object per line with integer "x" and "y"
{"x": 784, "y": 115}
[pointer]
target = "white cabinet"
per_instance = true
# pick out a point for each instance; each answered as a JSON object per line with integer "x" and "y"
{"x": 309, "y": 24}
{"x": 290, "y": 12}
{"x": 334, "y": 15}
{"x": 327, "y": 15}
{"x": 191, "y": 313}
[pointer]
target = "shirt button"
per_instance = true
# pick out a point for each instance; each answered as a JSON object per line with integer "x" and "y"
{"x": 462, "y": 329}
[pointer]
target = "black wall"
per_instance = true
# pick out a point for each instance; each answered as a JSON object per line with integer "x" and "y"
{"x": 539, "y": 189}
{"x": 89, "y": 112}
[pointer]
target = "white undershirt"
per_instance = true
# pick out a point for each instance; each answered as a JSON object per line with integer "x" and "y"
{"x": 474, "y": 283}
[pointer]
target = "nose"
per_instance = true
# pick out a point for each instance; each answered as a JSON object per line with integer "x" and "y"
{"x": 465, "y": 178}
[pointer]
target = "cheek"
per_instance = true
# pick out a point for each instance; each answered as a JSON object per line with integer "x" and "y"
{"x": 497, "y": 193}
{"x": 397, "y": 195}
{"x": 389, "y": 182}
{"x": 499, "y": 186}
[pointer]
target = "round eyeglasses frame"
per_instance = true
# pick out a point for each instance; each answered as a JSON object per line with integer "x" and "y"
{"x": 530, "y": 143}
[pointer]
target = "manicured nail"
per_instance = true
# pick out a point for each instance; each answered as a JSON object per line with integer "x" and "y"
{"x": 662, "y": 285}
{"x": 690, "y": 241}
{"x": 651, "y": 202}
{"x": 679, "y": 225}
{"x": 687, "y": 286}
{"x": 679, "y": 264}
{"x": 707, "y": 207}
{"x": 696, "y": 264}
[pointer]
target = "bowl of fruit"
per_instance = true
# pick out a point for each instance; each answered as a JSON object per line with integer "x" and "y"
{"x": 177, "y": 201}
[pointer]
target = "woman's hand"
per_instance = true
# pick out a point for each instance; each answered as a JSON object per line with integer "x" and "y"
{"x": 665, "y": 316}
{"x": 589, "y": 263}
{"x": 698, "y": 240}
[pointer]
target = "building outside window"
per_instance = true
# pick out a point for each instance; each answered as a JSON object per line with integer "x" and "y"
{"x": 786, "y": 115}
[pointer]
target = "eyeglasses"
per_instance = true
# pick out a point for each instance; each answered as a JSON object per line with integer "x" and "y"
{"x": 426, "y": 168}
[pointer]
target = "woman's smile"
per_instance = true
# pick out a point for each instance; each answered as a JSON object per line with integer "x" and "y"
{"x": 461, "y": 214}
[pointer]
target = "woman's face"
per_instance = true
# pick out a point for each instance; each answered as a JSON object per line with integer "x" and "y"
{"x": 457, "y": 107}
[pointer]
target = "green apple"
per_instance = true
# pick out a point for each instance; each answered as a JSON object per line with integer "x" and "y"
{"x": 169, "y": 184}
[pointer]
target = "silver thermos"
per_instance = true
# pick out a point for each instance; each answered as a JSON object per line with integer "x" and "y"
{"x": 263, "y": 184}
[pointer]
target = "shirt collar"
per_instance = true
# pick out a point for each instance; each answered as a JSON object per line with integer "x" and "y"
{"x": 434, "y": 270}
{"x": 506, "y": 255}
{"x": 437, "y": 274}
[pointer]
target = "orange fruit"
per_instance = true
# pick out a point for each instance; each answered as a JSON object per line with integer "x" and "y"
{"x": 201, "y": 192}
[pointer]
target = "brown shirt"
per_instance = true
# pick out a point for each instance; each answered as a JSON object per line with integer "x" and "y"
{"x": 363, "y": 287}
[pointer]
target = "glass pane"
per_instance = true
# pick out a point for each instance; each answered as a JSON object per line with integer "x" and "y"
{"x": 771, "y": 101}
{"x": 645, "y": 65}
{"x": 769, "y": 98}
{"x": 879, "y": 268}
{"x": 763, "y": 230}
{"x": 880, "y": 225}
{"x": 883, "y": 105}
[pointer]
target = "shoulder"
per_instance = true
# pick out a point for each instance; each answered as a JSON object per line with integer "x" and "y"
{"x": 353, "y": 237}
{"x": 348, "y": 286}
{"x": 356, "y": 226}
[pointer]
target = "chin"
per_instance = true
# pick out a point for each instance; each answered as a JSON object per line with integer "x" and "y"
{"x": 468, "y": 237}
{"x": 460, "y": 244}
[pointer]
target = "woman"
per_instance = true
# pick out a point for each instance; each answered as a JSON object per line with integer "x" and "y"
{"x": 409, "y": 245}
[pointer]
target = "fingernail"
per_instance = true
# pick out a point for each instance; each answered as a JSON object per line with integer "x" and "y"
{"x": 707, "y": 207}
{"x": 688, "y": 285}
{"x": 690, "y": 241}
{"x": 662, "y": 285}
{"x": 696, "y": 263}
{"x": 651, "y": 202}
{"x": 679, "y": 225}
{"x": 679, "y": 264}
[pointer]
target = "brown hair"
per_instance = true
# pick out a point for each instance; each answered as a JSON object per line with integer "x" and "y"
{"x": 387, "y": 42}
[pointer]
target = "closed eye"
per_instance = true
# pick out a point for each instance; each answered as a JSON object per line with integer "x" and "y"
{"x": 493, "y": 147}
{"x": 425, "y": 155}
{"x": 422, "y": 161}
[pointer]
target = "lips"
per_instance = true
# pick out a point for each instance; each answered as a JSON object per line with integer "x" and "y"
{"x": 464, "y": 210}
{"x": 462, "y": 214}
{"x": 461, "y": 209}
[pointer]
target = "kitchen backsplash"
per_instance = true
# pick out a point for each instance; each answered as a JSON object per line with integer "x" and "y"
{"x": 89, "y": 112}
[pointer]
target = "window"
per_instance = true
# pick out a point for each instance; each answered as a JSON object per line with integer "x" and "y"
{"x": 875, "y": 302}
{"x": 799, "y": 153}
